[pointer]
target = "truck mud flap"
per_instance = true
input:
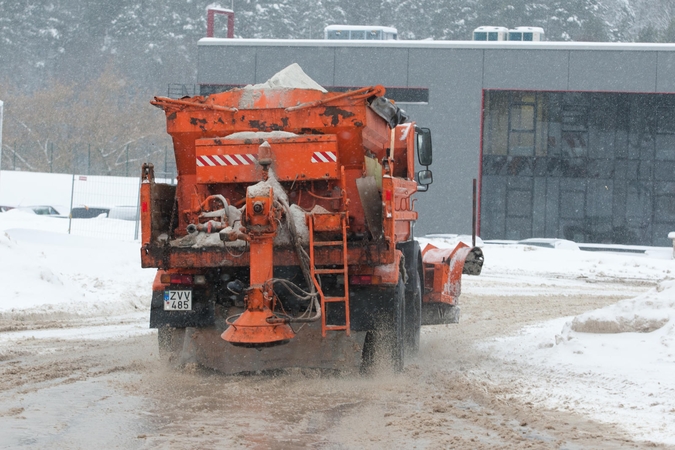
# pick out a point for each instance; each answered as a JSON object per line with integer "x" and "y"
{"x": 439, "y": 314}
{"x": 308, "y": 349}
{"x": 372, "y": 205}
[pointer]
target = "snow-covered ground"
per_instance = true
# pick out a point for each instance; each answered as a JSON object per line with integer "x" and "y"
{"x": 616, "y": 364}
{"x": 51, "y": 277}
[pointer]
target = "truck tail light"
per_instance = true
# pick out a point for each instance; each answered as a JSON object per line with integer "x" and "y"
{"x": 364, "y": 279}
{"x": 176, "y": 278}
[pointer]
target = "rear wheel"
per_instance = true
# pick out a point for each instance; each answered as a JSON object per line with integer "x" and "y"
{"x": 413, "y": 315}
{"x": 386, "y": 343}
{"x": 396, "y": 333}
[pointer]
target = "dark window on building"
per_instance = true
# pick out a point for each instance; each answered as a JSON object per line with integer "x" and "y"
{"x": 574, "y": 127}
{"x": 665, "y": 120}
{"x": 521, "y": 129}
{"x": 592, "y": 167}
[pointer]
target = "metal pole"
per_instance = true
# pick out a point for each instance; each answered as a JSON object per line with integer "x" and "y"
{"x": 127, "y": 174}
{"x": 70, "y": 214}
{"x": 138, "y": 210}
{"x": 473, "y": 216}
{"x": 209, "y": 22}
{"x": 88, "y": 159}
{"x": 14, "y": 160}
{"x": 230, "y": 23}
{"x": 2, "y": 107}
{"x": 51, "y": 157}
{"x": 166, "y": 157}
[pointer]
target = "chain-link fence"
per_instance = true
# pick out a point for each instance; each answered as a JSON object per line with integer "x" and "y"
{"x": 87, "y": 159}
{"x": 104, "y": 207}
{"x": 92, "y": 206}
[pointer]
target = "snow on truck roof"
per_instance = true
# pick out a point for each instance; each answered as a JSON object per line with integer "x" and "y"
{"x": 260, "y": 135}
{"x": 291, "y": 77}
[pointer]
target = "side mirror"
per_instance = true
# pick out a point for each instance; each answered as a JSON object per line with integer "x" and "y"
{"x": 424, "y": 179}
{"x": 424, "y": 151}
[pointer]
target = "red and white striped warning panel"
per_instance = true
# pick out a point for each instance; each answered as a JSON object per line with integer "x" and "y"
{"x": 323, "y": 157}
{"x": 226, "y": 160}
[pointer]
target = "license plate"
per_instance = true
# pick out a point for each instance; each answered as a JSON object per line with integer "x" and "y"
{"x": 177, "y": 300}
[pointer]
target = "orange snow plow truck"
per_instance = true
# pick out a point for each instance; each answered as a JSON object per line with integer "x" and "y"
{"x": 288, "y": 238}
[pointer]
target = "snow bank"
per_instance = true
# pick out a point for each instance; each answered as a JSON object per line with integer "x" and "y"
{"x": 517, "y": 261}
{"x": 49, "y": 274}
{"x": 615, "y": 364}
{"x": 26, "y": 278}
{"x": 643, "y": 314}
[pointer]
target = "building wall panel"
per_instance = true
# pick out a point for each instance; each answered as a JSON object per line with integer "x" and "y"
{"x": 226, "y": 65}
{"x": 318, "y": 64}
{"x": 526, "y": 69}
{"x": 612, "y": 71}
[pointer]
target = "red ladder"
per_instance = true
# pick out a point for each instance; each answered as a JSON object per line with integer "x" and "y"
{"x": 330, "y": 222}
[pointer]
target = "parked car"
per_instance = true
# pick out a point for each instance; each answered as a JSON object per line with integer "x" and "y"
{"x": 40, "y": 210}
{"x": 124, "y": 213}
{"x": 88, "y": 212}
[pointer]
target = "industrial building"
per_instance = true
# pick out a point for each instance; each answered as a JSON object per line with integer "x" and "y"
{"x": 567, "y": 140}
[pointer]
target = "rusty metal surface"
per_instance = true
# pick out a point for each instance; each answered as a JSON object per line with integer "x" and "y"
{"x": 173, "y": 257}
{"x": 293, "y": 159}
{"x": 307, "y": 350}
{"x": 372, "y": 205}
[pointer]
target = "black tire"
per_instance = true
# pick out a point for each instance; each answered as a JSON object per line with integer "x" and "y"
{"x": 396, "y": 336}
{"x": 385, "y": 345}
{"x": 413, "y": 314}
{"x": 389, "y": 337}
{"x": 170, "y": 343}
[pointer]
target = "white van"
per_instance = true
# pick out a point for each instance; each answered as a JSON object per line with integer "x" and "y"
{"x": 526, "y": 34}
{"x": 490, "y": 34}
{"x": 360, "y": 32}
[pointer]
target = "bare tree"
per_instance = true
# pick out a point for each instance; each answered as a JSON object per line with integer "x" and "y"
{"x": 106, "y": 123}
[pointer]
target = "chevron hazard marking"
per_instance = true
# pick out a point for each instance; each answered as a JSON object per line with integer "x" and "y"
{"x": 323, "y": 157}
{"x": 226, "y": 160}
